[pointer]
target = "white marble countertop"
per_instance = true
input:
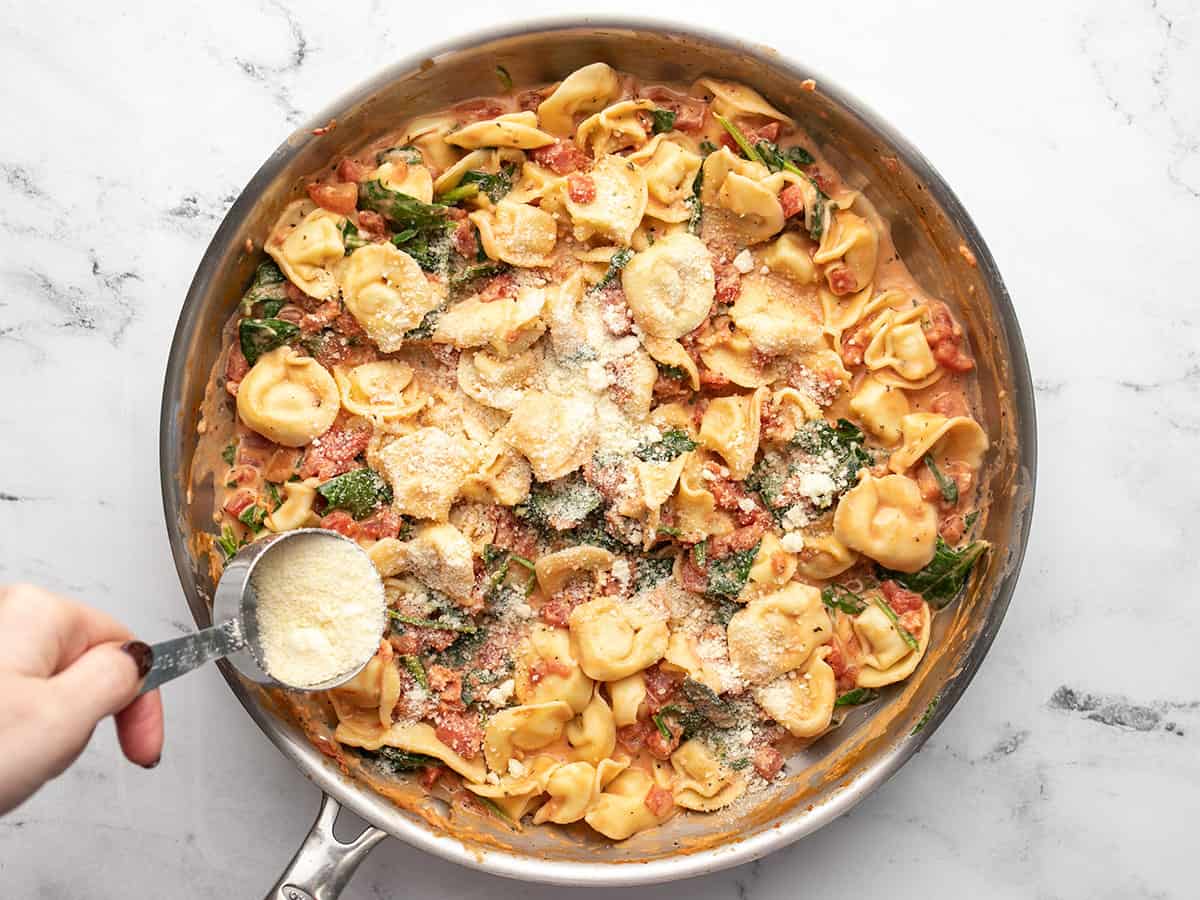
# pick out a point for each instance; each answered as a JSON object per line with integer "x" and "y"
{"x": 1071, "y": 132}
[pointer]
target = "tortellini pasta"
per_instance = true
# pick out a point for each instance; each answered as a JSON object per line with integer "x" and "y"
{"x": 702, "y": 783}
{"x": 518, "y": 130}
{"x": 618, "y": 204}
{"x": 382, "y": 391}
{"x": 627, "y": 695}
{"x": 554, "y": 570}
{"x": 386, "y": 292}
{"x": 592, "y": 735}
{"x": 621, "y": 810}
{"x": 734, "y": 100}
{"x": 737, "y": 185}
{"x": 296, "y": 510}
{"x": 523, "y": 729}
{"x": 731, "y": 427}
{"x": 547, "y": 671}
{"x": 615, "y": 128}
{"x": 612, "y": 642}
{"x": 306, "y": 242}
{"x": 498, "y": 381}
{"x": 556, "y": 434}
{"x": 849, "y": 251}
{"x": 517, "y": 233}
{"x": 959, "y": 439}
{"x": 425, "y": 469}
{"x": 415, "y": 738}
{"x": 788, "y": 255}
{"x": 412, "y": 180}
{"x": 898, "y": 353}
{"x": 881, "y": 408}
{"x": 441, "y": 557}
{"x": 775, "y": 323}
{"x": 670, "y": 170}
{"x": 288, "y": 398}
{"x": 508, "y": 326}
{"x": 776, "y": 633}
{"x": 887, "y": 519}
{"x": 670, "y": 286}
{"x": 887, "y": 657}
{"x": 802, "y": 700}
{"x": 585, "y": 90}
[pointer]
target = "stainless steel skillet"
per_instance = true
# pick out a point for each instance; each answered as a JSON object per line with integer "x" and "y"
{"x": 939, "y": 242}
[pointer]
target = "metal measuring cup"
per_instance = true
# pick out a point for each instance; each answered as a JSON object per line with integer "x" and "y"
{"x": 235, "y": 635}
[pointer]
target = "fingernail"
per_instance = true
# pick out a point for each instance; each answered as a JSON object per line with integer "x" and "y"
{"x": 153, "y": 764}
{"x": 142, "y": 655}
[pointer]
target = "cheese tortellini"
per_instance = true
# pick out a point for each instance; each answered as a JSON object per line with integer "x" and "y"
{"x": 288, "y": 398}
{"x": 670, "y": 286}
{"x": 386, "y": 291}
{"x": 615, "y": 641}
{"x": 585, "y": 90}
{"x": 306, "y": 242}
{"x": 887, "y": 519}
{"x": 776, "y": 633}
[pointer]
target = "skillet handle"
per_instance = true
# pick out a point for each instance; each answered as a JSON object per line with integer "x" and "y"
{"x": 324, "y": 865}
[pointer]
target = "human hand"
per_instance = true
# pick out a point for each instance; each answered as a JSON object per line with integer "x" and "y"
{"x": 63, "y": 668}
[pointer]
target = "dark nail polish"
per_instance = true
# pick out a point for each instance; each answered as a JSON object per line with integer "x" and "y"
{"x": 142, "y": 655}
{"x": 153, "y": 764}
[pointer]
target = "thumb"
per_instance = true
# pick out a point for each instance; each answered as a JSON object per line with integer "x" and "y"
{"x": 99, "y": 683}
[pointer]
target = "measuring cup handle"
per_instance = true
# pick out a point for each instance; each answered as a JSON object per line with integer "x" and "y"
{"x": 182, "y": 654}
{"x": 323, "y": 865}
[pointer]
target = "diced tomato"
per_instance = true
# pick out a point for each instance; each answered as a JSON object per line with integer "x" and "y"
{"x": 689, "y": 111}
{"x": 952, "y": 528}
{"x": 633, "y": 737}
{"x": 844, "y": 671}
{"x": 347, "y": 326}
{"x": 609, "y": 480}
{"x": 500, "y": 287}
{"x": 753, "y": 136}
{"x": 459, "y": 731}
{"x": 324, "y": 314}
{"x": 351, "y": 170}
{"x": 236, "y": 367}
{"x": 561, "y": 157}
{"x": 386, "y": 523}
{"x": 464, "y": 241}
{"x": 854, "y": 345}
{"x": 791, "y": 198}
{"x": 614, "y": 311}
{"x": 237, "y": 502}
{"x": 824, "y": 182}
{"x": 670, "y": 390}
{"x": 692, "y": 577}
{"x": 661, "y": 747}
{"x": 252, "y": 448}
{"x": 371, "y": 225}
{"x": 900, "y": 599}
{"x": 767, "y": 133}
{"x": 660, "y": 686}
{"x": 767, "y": 762}
{"x": 282, "y": 465}
{"x": 340, "y": 198}
{"x": 241, "y": 475}
{"x": 842, "y": 280}
{"x": 711, "y": 379}
{"x": 738, "y": 540}
{"x": 729, "y": 282}
{"x": 448, "y": 685}
{"x": 342, "y": 522}
{"x": 556, "y": 612}
{"x": 659, "y": 801}
{"x": 478, "y": 110}
{"x": 333, "y": 452}
{"x": 511, "y": 533}
{"x": 529, "y": 100}
{"x": 446, "y": 354}
{"x": 581, "y": 188}
{"x": 430, "y": 775}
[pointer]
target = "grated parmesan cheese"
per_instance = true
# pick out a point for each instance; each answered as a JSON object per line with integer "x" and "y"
{"x": 744, "y": 262}
{"x": 320, "y": 609}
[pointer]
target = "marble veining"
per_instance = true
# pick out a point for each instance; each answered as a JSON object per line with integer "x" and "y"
{"x": 1070, "y": 768}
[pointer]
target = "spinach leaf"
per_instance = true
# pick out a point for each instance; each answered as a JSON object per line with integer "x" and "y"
{"x": 708, "y": 703}
{"x": 835, "y": 596}
{"x": 252, "y": 517}
{"x": 675, "y": 373}
{"x": 430, "y": 248}
{"x": 351, "y": 239}
{"x": 470, "y": 274}
{"x": 559, "y": 505}
{"x": 672, "y": 444}
{"x": 941, "y": 580}
{"x": 268, "y": 287}
{"x": 905, "y": 634}
{"x": 707, "y": 147}
{"x": 619, "y": 260}
{"x": 445, "y": 624}
{"x": 259, "y": 336}
{"x": 700, "y": 553}
{"x": 273, "y": 496}
{"x": 661, "y": 725}
{"x": 948, "y": 486}
{"x": 416, "y": 669}
{"x": 841, "y": 446}
{"x": 652, "y": 570}
{"x": 398, "y": 760}
{"x": 495, "y": 185}
{"x": 229, "y": 454}
{"x": 740, "y": 139}
{"x": 926, "y": 716}
{"x": 970, "y": 520}
{"x": 663, "y": 119}
{"x": 727, "y": 575}
{"x": 856, "y": 697}
{"x": 428, "y": 326}
{"x": 360, "y": 492}
{"x": 228, "y": 543}
{"x": 506, "y": 81}
{"x": 696, "y": 216}
{"x": 400, "y": 209}
{"x": 776, "y": 160}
